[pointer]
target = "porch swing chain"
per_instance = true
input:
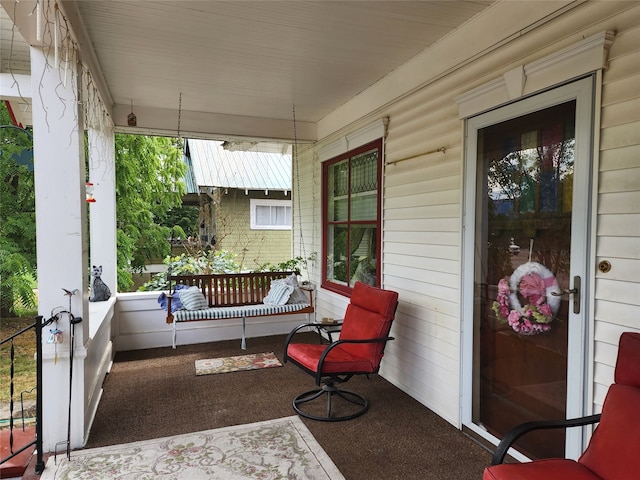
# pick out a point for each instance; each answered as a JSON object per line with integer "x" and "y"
{"x": 179, "y": 113}
{"x": 297, "y": 176}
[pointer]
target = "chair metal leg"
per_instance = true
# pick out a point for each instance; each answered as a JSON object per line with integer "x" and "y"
{"x": 330, "y": 390}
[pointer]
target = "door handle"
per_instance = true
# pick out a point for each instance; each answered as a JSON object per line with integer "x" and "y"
{"x": 565, "y": 292}
{"x": 575, "y": 291}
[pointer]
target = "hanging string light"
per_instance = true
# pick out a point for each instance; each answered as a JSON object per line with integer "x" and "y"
{"x": 38, "y": 20}
{"x": 56, "y": 47}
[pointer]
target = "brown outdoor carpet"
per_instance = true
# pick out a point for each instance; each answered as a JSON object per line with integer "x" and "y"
{"x": 154, "y": 393}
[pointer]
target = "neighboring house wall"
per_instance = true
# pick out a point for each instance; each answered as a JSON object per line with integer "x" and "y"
{"x": 422, "y": 198}
{"x": 253, "y": 247}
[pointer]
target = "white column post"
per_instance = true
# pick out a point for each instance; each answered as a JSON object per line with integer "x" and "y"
{"x": 61, "y": 226}
{"x": 102, "y": 173}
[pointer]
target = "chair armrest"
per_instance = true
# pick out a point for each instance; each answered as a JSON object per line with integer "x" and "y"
{"x": 364, "y": 340}
{"x": 333, "y": 345}
{"x": 291, "y": 335}
{"x": 519, "y": 430}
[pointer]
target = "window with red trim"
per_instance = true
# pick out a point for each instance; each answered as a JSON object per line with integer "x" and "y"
{"x": 351, "y": 206}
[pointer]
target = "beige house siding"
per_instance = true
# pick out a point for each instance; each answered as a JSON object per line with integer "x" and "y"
{"x": 305, "y": 211}
{"x": 422, "y": 206}
{"x": 617, "y": 293}
{"x": 422, "y": 235}
{"x": 251, "y": 247}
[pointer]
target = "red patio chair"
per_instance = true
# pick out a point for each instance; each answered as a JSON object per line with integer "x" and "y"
{"x": 614, "y": 449}
{"x": 364, "y": 335}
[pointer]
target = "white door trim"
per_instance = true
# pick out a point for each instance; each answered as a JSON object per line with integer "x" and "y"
{"x": 583, "y": 92}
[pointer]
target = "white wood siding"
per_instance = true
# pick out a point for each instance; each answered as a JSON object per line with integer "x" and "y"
{"x": 617, "y": 293}
{"x": 422, "y": 235}
{"x": 422, "y": 206}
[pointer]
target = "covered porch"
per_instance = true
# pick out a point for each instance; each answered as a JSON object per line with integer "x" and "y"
{"x": 155, "y": 393}
{"x": 327, "y": 77}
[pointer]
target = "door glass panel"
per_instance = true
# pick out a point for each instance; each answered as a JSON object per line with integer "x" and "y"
{"x": 522, "y": 245}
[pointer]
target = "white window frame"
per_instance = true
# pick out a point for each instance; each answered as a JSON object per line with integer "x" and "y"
{"x": 255, "y": 203}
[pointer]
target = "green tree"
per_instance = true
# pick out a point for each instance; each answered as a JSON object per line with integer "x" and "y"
{"x": 185, "y": 217}
{"x": 149, "y": 172}
{"x": 17, "y": 217}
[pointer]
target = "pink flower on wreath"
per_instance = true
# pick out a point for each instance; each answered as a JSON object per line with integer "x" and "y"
{"x": 503, "y": 286}
{"x": 503, "y": 297}
{"x": 545, "y": 309}
{"x": 532, "y": 282}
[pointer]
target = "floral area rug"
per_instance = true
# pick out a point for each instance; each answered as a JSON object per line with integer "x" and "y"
{"x": 252, "y": 361}
{"x": 275, "y": 449}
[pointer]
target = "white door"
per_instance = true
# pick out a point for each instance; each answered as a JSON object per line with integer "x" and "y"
{"x": 526, "y": 256}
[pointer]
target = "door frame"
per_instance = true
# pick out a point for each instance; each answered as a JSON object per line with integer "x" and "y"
{"x": 581, "y": 259}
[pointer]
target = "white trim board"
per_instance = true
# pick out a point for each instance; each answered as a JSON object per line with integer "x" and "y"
{"x": 582, "y": 58}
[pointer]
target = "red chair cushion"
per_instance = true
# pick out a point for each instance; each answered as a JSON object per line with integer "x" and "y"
{"x": 339, "y": 360}
{"x": 614, "y": 449}
{"x": 628, "y": 363}
{"x": 369, "y": 315}
{"x": 374, "y": 299}
{"x": 551, "y": 469}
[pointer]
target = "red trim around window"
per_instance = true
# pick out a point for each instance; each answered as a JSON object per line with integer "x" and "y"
{"x": 326, "y": 283}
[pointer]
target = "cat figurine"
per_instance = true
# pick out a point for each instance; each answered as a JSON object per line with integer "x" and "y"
{"x": 99, "y": 290}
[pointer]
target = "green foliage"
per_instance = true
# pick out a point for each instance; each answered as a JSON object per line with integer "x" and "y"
{"x": 17, "y": 292}
{"x": 183, "y": 220}
{"x": 149, "y": 172}
{"x": 17, "y": 218}
{"x": 200, "y": 262}
{"x": 219, "y": 261}
{"x": 294, "y": 265}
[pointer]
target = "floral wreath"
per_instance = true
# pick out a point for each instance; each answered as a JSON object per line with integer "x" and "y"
{"x": 536, "y": 284}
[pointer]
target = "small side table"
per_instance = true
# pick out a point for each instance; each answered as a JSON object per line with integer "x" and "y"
{"x": 329, "y": 328}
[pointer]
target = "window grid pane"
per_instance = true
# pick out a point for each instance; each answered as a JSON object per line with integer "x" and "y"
{"x": 351, "y": 200}
{"x": 338, "y": 191}
{"x": 364, "y": 186}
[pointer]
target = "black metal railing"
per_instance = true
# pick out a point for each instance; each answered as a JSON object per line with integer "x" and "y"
{"x": 37, "y": 441}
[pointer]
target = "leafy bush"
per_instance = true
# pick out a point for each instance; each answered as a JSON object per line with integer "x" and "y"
{"x": 200, "y": 262}
{"x": 17, "y": 282}
{"x": 210, "y": 262}
{"x": 294, "y": 265}
{"x": 17, "y": 218}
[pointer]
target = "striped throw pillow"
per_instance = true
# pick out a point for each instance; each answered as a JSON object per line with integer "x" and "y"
{"x": 193, "y": 299}
{"x": 278, "y": 294}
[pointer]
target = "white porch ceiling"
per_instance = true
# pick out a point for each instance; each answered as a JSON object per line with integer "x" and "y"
{"x": 241, "y": 66}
